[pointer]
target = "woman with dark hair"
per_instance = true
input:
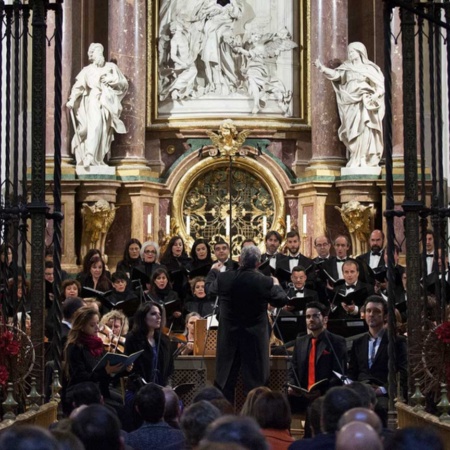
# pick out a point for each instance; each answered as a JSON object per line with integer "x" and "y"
{"x": 161, "y": 292}
{"x": 273, "y": 414}
{"x": 83, "y": 351}
{"x": 156, "y": 363}
{"x": 131, "y": 257}
{"x": 95, "y": 275}
{"x": 201, "y": 258}
{"x": 176, "y": 260}
{"x": 70, "y": 288}
{"x": 199, "y": 301}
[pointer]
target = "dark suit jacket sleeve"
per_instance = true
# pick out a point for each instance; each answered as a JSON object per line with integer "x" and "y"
{"x": 353, "y": 364}
{"x": 278, "y": 296}
{"x": 211, "y": 286}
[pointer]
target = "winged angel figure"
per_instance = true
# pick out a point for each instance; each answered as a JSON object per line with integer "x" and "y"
{"x": 257, "y": 50}
{"x": 229, "y": 141}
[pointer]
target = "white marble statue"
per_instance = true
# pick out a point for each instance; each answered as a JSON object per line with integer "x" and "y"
{"x": 95, "y": 108}
{"x": 260, "y": 84}
{"x": 359, "y": 87}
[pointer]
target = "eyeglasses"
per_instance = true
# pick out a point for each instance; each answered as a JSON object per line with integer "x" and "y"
{"x": 321, "y": 245}
{"x": 149, "y": 252}
{"x": 313, "y": 316}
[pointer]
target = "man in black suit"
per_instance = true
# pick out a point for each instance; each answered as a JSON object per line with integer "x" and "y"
{"x": 369, "y": 354}
{"x": 316, "y": 355}
{"x": 273, "y": 241}
{"x": 374, "y": 259}
{"x": 222, "y": 253}
{"x": 297, "y": 290}
{"x": 333, "y": 265}
{"x": 322, "y": 245}
{"x": 243, "y": 339}
{"x": 349, "y": 296}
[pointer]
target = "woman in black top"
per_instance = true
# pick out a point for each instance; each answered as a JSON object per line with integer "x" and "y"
{"x": 95, "y": 275}
{"x": 131, "y": 257}
{"x": 161, "y": 292}
{"x": 83, "y": 351}
{"x": 176, "y": 260}
{"x": 156, "y": 363}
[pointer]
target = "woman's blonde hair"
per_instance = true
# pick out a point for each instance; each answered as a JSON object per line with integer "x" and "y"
{"x": 116, "y": 315}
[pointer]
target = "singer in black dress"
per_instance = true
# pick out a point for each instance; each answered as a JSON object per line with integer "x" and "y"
{"x": 156, "y": 363}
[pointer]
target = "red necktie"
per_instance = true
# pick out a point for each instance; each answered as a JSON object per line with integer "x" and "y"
{"x": 312, "y": 363}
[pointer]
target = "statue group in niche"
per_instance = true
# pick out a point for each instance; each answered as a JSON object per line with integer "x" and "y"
{"x": 200, "y": 55}
{"x": 359, "y": 87}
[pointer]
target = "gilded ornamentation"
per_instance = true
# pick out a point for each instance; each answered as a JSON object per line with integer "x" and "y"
{"x": 229, "y": 141}
{"x": 202, "y": 193}
{"x": 97, "y": 220}
{"x": 356, "y": 218}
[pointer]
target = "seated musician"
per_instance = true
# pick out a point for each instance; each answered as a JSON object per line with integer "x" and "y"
{"x": 188, "y": 346}
{"x": 349, "y": 296}
{"x": 316, "y": 355}
{"x": 114, "y": 326}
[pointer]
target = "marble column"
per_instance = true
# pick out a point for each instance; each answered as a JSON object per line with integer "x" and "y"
{"x": 329, "y": 45}
{"x": 127, "y": 39}
{"x": 70, "y": 63}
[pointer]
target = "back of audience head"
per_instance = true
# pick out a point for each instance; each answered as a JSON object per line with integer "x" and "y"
{"x": 207, "y": 393}
{"x": 172, "y": 406}
{"x": 366, "y": 394}
{"x": 337, "y": 401}
{"x": 223, "y": 405}
{"x": 241, "y": 430}
{"x": 364, "y": 415}
{"x": 195, "y": 420}
{"x": 358, "y": 436}
{"x": 70, "y": 306}
{"x": 98, "y": 428}
{"x": 315, "y": 415}
{"x": 272, "y": 410}
{"x": 27, "y": 437}
{"x": 67, "y": 440}
{"x": 150, "y": 403}
{"x": 252, "y": 396}
{"x": 86, "y": 393}
{"x": 415, "y": 438}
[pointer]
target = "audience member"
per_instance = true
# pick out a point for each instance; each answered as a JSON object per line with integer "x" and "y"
{"x": 241, "y": 430}
{"x": 248, "y": 406}
{"x": 27, "y": 437}
{"x": 366, "y": 394}
{"x": 172, "y": 409}
{"x": 314, "y": 413}
{"x": 337, "y": 401}
{"x": 195, "y": 420}
{"x": 415, "y": 438}
{"x": 207, "y": 393}
{"x": 98, "y": 428}
{"x": 362, "y": 415}
{"x": 67, "y": 440}
{"x": 154, "y": 433}
{"x": 358, "y": 436}
{"x": 273, "y": 414}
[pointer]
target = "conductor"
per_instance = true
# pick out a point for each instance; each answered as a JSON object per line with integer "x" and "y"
{"x": 243, "y": 340}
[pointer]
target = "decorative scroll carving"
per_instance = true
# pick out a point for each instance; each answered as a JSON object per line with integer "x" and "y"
{"x": 97, "y": 220}
{"x": 356, "y": 218}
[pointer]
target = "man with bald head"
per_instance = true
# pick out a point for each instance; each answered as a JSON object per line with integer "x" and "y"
{"x": 358, "y": 436}
{"x": 361, "y": 415}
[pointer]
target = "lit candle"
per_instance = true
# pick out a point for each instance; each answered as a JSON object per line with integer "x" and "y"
{"x": 288, "y": 223}
{"x": 188, "y": 225}
{"x": 305, "y": 225}
{"x": 227, "y": 225}
{"x": 149, "y": 224}
{"x": 167, "y": 224}
{"x": 264, "y": 225}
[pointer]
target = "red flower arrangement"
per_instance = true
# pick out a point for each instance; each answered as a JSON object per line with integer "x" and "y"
{"x": 443, "y": 332}
{"x": 9, "y": 347}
